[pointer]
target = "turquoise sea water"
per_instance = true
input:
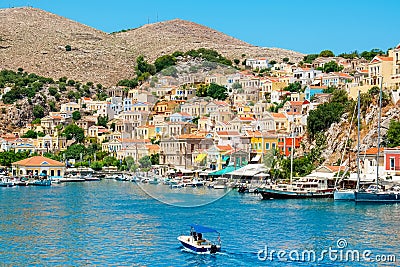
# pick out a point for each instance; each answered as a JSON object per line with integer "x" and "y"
{"x": 112, "y": 223}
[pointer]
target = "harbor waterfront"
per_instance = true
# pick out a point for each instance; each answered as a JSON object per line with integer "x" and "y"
{"x": 117, "y": 223}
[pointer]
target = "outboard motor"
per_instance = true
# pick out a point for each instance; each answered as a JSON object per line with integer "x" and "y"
{"x": 213, "y": 249}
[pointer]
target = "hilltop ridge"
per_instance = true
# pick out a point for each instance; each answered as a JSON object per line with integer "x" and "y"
{"x": 35, "y": 40}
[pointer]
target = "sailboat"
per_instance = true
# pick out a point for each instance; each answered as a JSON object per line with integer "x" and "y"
{"x": 375, "y": 194}
{"x": 349, "y": 194}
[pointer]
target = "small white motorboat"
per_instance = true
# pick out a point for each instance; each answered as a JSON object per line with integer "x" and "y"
{"x": 196, "y": 241}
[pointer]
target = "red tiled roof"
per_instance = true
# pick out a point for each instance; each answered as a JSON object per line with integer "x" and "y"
{"x": 293, "y": 113}
{"x": 38, "y": 161}
{"x": 228, "y": 133}
{"x": 278, "y": 115}
{"x": 153, "y": 147}
{"x": 225, "y": 148}
{"x": 128, "y": 140}
{"x": 296, "y": 103}
{"x": 373, "y": 151}
{"x": 385, "y": 58}
{"x": 336, "y": 168}
{"x": 246, "y": 119}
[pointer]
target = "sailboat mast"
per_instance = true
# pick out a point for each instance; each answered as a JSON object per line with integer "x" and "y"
{"x": 379, "y": 133}
{"x": 358, "y": 141}
{"x": 291, "y": 154}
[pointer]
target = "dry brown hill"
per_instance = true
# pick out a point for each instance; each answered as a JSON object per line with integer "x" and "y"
{"x": 35, "y": 40}
{"x": 167, "y": 37}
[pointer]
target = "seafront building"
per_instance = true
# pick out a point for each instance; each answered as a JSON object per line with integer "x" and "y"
{"x": 38, "y": 166}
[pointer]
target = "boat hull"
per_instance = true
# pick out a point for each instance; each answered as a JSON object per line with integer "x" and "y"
{"x": 196, "y": 248}
{"x": 276, "y": 194}
{"x": 382, "y": 197}
{"x": 347, "y": 195}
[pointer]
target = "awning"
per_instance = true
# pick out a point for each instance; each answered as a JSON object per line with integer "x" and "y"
{"x": 200, "y": 157}
{"x": 223, "y": 171}
{"x": 249, "y": 170}
{"x": 256, "y": 158}
{"x": 261, "y": 174}
{"x": 202, "y": 229}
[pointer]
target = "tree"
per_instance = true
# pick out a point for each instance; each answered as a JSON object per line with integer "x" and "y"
{"x": 310, "y": 58}
{"x": 293, "y": 87}
{"x": 201, "y": 90}
{"x": 329, "y": 90}
{"x": 217, "y": 91}
{"x": 323, "y": 116}
{"x": 53, "y": 91}
{"x": 332, "y": 66}
{"x": 74, "y": 151}
{"x": 285, "y": 59}
{"x": 30, "y": 134}
{"x": 164, "y": 62}
{"x": 393, "y": 134}
{"x": 73, "y": 131}
{"x": 369, "y": 55}
{"x": 340, "y": 96}
{"x": 326, "y": 53}
{"x": 68, "y": 48}
{"x": 52, "y": 106}
{"x": 110, "y": 161}
{"x": 195, "y": 120}
{"x": 38, "y": 111}
{"x": 236, "y": 61}
{"x": 145, "y": 162}
{"x": 350, "y": 55}
{"x": 236, "y": 85}
{"x": 8, "y": 157}
{"x": 76, "y": 115}
{"x": 96, "y": 165}
{"x": 130, "y": 164}
{"x": 142, "y": 66}
{"x": 155, "y": 159}
{"x": 102, "y": 121}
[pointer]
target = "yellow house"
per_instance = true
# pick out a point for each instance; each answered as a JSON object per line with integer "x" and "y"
{"x": 145, "y": 132}
{"x": 396, "y": 68}
{"x": 34, "y": 166}
{"x": 380, "y": 67}
{"x": 261, "y": 143}
{"x": 281, "y": 122}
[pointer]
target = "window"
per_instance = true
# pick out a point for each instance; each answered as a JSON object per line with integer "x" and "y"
{"x": 267, "y": 146}
{"x": 392, "y": 165}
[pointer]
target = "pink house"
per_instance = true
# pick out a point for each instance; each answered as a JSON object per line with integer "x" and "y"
{"x": 392, "y": 161}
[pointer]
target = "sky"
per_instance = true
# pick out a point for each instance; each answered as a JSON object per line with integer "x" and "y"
{"x": 307, "y": 26}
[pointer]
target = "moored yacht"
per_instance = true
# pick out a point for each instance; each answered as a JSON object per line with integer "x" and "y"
{"x": 305, "y": 187}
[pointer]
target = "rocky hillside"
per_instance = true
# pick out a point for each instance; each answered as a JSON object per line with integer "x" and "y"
{"x": 36, "y": 41}
{"x": 167, "y": 37}
{"x": 336, "y": 137}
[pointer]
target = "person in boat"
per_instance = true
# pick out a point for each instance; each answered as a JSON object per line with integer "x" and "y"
{"x": 194, "y": 234}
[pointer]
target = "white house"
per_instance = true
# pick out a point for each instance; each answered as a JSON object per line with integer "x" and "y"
{"x": 260, "y": 63}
